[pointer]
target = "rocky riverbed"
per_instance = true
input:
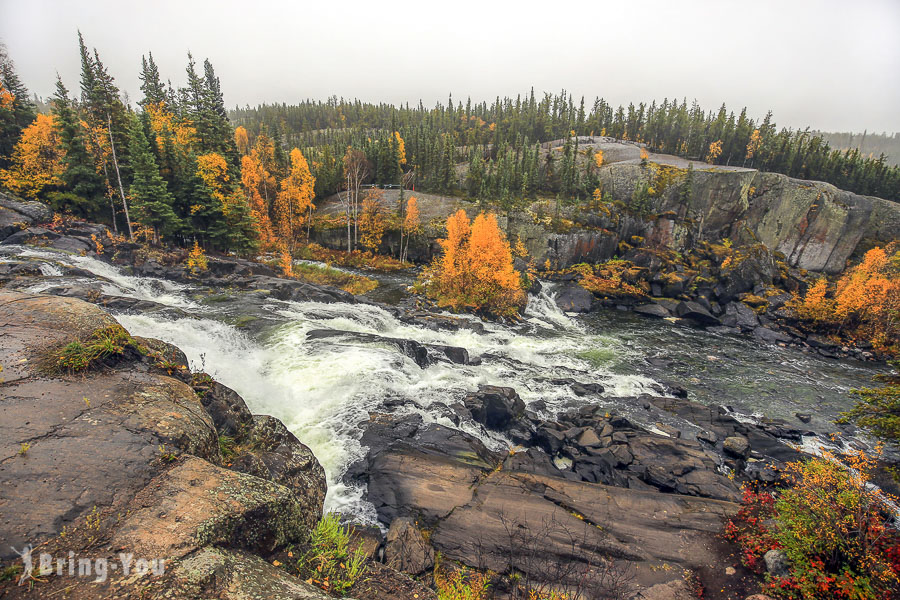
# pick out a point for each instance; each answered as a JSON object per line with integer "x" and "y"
{"x": 560, "y": 449}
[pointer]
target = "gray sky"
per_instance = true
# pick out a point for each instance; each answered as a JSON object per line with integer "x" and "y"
{"x": 829, "y": 64}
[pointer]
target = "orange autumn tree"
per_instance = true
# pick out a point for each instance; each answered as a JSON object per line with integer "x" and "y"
{"x": 36, "y": 160}
{"x": 864, "y": 302}
{"x": 242, "y": 140}
{"x": 252, "y": 176}
{"x": 293, "y": 205}
{"x": 410, "y": 226}
{"x": 371, "y": 220}
{"x": 475, "y": 271}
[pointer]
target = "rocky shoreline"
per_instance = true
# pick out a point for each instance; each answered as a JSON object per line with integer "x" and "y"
{"x": 137, "y": 454}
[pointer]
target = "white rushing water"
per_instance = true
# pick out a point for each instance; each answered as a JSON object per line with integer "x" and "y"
{"x": 322, "y": 389}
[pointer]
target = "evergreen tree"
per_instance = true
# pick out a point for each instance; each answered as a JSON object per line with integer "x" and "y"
{"x": 86, "y": 188}
{"x": 154, "y": 91}
{"x": 151, "y": 198}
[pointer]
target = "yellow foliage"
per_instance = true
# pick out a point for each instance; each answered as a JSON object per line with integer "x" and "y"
{"x": 476, "y": 270}
{"x": 754, "y": 143}
{"x": 644, "y": 154}
{"x": 197, "y": 261}
{"x": 164, "y": 122}
{"x": 519, "y": 249}
{"x": 286, "y": 263}
{"x": 411, "y": 222}
{"x": 6, "y": 98}
{"x": 715, "y": 150}
{"x": 294, "y": 204}
{"x": 460, "y": 584}
{"x": 242, "y": 140}
{"x": 865, "y": 301}
{"x": 251, "y": 181}
{"x": 598, "y": 158}
{"x": 36, "y": 160}
{"x": 401, "y": 148}
{"x": 213, "y": 170}
{"x": 371, "y": 220}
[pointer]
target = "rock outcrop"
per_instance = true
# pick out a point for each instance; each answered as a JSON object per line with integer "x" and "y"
{"x": 126, "y": 456}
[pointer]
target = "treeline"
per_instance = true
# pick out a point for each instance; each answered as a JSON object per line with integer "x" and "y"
{"x": 869, "y": 144}
{"x": 171, "y": 168}
{"x": 438, "y": 138}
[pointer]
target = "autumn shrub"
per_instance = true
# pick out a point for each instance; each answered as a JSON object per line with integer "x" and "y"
{"x": 613, "y": 279}
{"x": 749, "y": 527}
{"x": 863, "y": 304}
{"x": 197, "y": 261}
{"x": 328, "y": 562}
{"x": 833, "y": 526}
{"x": 475, "y": 271}
{"x": 366, "y": 261}
{"x": 460, "y": 583}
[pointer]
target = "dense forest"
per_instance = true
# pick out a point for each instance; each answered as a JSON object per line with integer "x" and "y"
{"x": 178, "y": 166}
{"x": 500, "y": 142}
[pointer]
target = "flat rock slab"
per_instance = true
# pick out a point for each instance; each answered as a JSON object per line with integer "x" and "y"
{"x": 475, "y": 512}
{"x": 196, "y": 504}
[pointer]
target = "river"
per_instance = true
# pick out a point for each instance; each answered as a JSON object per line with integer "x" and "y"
{"x": 322, "y": 389}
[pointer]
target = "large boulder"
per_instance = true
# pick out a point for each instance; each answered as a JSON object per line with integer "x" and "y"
{"x": 738, "y": 314}
{"x": 495, "y": 407}
{"x": 574, "y": 298}
{"x": 693, "y": 311}
{"x": 16, "y": 214}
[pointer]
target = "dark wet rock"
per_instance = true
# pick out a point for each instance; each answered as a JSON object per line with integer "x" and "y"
{"x": 751, "y": 267}
{"x": 574, "y": 298}
{"x": 31, "y": 235}
{"x": 695, "y": 312}
{"x": 736, "y": 445}
{"x": 738, "y": 314}
{"x": 423, "y": 355}
{"x": 534, "y": 460}
{"x": 653, "y": 310}
{"x": 495, "y": 407}
{"x": 227, "y": 409}
{"x": 277, "y": 455}
{"x": 770, "y": 336}
{"x": 803, "y": 417}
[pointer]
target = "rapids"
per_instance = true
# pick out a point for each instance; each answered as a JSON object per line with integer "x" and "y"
{"x": 322, "y": 389}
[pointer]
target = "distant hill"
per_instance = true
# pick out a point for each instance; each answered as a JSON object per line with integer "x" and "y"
{"x": 868, "y": 143}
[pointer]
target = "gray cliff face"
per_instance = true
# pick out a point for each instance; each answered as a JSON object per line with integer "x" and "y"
{"x": 815, "y": 225}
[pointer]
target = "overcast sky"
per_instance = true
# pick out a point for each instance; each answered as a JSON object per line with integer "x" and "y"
{"x": 828, "y": 64}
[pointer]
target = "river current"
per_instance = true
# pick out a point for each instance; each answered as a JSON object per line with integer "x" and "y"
{"x": 323, "y": 389}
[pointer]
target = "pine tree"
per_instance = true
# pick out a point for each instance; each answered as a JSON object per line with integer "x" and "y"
{"x": 85, "y": 187}
{"x": 151, "y": 198}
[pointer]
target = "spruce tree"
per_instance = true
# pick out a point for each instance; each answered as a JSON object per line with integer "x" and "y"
{"x": 151, "y": 198}
{"x": 86, "y": 188}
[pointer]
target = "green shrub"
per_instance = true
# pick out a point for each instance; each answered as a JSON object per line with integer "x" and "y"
{"x": 328, "y": 562}
{"x": 103, "y": 343}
